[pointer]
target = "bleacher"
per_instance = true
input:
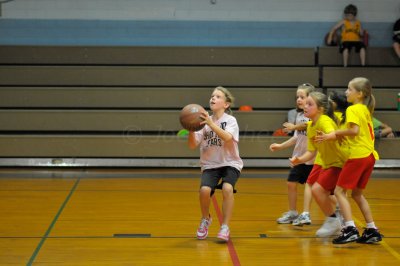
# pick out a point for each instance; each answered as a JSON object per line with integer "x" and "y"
{"x": 119, "y": 106}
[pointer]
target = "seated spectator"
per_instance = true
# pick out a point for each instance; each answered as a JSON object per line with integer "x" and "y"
{"x": 382, "y": 130}
{"x": 351, "y": 35}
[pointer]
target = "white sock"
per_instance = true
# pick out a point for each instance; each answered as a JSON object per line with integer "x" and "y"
{"x": 294, "y": 212}
{"x": 349, "y": 223}
{"x": 371, "y": 225}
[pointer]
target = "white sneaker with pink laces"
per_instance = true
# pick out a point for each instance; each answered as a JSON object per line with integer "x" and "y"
{"x": 202, "y": 231}
{"x": 224, "y": 233}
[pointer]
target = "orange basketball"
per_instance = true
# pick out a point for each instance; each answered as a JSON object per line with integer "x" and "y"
{"x": 190, "y": 117}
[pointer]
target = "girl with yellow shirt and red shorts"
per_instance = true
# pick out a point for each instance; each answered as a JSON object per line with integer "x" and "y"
{"x": 329, "y": 161}
{"x": 357, "y": 170}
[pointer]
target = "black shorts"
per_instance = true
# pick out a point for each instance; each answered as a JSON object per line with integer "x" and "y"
{"x": 350, "y": 45}
{"x": 299, "y": 173}
{"x": 211, "y": 177}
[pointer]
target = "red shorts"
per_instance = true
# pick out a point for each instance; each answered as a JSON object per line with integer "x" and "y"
{"x": 328, "y": 178}
{"x": 356, "y": 172}
{"x": 313, "y": 176}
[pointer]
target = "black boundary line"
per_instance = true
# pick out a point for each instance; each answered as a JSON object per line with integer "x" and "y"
{"x": 46, "y": 235}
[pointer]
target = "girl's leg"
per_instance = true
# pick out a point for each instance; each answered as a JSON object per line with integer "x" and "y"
{"x": 228, "y": 202}
{"x": 307, "y": 198}
{"x": 362, "y": 204}
{"x": 292, "y": 195}
{"x": 204, "y": 196}
{"x": 371, "y": 234}
{"x": 362, "y": 56}
{"x": 333, "y": 200}
{"x": 331, "y": 225}
{"x": 322, "y": 198}
{"x": 345, "y": 57}
{"x": 304, "y": 217}
{"x": 349, "y": 231}
{"x": 205, "y": 200}
{"x": 344, "y": 204}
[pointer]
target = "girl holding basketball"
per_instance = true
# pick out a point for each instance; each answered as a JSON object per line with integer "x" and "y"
{"x": 356, "y": 172}
{"x": 219, "y": 159}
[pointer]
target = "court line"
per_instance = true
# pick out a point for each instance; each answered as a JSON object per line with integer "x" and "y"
{"x": 383, "y": 243}
{"x": 231, "y": 248}
{"x": 257, "y": 236}
{"x": 39, "y": 246}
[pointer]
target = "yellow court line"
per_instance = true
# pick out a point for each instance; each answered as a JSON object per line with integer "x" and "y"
{"x": 383, "y": 243}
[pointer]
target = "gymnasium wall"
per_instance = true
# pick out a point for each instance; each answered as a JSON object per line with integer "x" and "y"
{"x": 290, "y": 23}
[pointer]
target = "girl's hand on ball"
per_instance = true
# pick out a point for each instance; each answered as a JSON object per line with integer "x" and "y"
{"x": 205, "y": 117}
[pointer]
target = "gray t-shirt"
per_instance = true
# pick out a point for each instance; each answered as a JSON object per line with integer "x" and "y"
{"x": 301, "y": 141}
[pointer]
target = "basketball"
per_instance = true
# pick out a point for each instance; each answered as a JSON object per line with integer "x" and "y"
{"x": 190, "y": 117}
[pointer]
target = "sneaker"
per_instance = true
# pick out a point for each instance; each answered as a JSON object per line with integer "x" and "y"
{"x": 330, "y": 227}
{"x": 302, "y": 219}
{"x": 202, "y": 231}
{"x": 369, "y": 236}
{"x": 287, "y": 218}
{"x": 349, "y": 234}
{"x": 224, "y": 233}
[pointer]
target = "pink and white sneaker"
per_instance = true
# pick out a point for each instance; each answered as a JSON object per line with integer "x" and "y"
{"x": 224, "y": 233}
{"x": 202, "y": 231}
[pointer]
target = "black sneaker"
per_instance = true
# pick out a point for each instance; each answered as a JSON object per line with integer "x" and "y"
{"x": 349, "y": 234}
{"x": 369, "y": 236}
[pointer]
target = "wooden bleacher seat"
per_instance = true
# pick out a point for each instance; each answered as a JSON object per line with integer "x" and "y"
{"x": 380, "y": 77}
{"x": 156, "y": 76}
{"x": 144, "y": 146}
{"x": 375, "y": 56}
{"x": 386, "y": 99}
{"x": 139, "y": 97}
{"x": 125, "y": 55}
{"x": 140, "y": 121}
{"x": 121, "y": 146}
{"x": 392, "y": 118}
{"x": 122, "y": 121}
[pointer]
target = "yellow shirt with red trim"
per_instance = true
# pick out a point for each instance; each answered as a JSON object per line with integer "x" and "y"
{"x": 318, "y": 159}
{"x": 362, "y": 145}
{"x": 329, "y": 152}
{"x": 343, "y": 142}
{"x": 351, "y": 31}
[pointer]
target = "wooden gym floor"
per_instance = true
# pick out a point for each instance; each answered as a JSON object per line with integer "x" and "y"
{"x": 150, "y": 217}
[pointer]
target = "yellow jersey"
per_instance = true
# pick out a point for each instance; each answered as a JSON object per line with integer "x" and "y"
{"x": 351, "y": 31}
{"x": 344, "y": 143}
{"x": 362, "y": 145}
{"x": 329, "y": 152}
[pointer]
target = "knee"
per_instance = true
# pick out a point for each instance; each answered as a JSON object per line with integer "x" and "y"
{"x": 356, "y": 196}
{"x": 316, "y": 190}
{"x": 339, "y": 192}
{"x": 205, "y": 190}
{"x": 227, "y": 190}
